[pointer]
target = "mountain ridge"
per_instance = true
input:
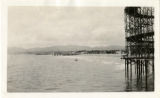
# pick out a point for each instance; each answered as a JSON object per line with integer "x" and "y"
{"x": 13, "y": 50}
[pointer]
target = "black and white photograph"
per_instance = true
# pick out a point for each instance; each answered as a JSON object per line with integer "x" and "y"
{"x": 80, "y": 49}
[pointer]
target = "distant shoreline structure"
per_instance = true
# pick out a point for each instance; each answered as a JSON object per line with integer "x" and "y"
{"x": 63, "y": 53}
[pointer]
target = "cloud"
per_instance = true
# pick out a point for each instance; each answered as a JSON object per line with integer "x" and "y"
{"x": 48, "y": 26}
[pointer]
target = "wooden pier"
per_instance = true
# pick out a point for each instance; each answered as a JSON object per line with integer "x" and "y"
{"x": 139, "y": 49}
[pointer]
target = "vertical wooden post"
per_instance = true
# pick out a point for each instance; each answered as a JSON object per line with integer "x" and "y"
{"x": 131, "y": 70}
{"x": 146, "y": 73}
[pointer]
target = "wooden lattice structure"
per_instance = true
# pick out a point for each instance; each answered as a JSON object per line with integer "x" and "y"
{"x": 139, "y": 49}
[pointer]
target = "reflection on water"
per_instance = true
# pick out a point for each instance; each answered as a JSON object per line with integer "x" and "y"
{"x": 139, "y": 76}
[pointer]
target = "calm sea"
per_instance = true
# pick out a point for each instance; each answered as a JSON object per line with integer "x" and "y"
{"x": 80, "y": 73}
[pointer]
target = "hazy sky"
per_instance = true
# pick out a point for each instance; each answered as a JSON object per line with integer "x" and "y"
{"x": 30, "y": 27}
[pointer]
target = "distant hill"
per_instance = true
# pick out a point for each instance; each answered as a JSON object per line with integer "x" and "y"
{"x": 15, "y": 50}
{"x": 109, "y": 48}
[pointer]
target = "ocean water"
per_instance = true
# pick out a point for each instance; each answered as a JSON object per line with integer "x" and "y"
{"x": 80, "y": 73}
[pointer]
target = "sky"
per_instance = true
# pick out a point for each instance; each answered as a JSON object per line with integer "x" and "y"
{"x": 42, "y": 26}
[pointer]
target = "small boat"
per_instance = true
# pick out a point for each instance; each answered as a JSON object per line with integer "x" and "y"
{"x": 76, "y": 60}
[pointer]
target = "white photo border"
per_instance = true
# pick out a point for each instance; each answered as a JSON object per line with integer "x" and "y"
{"x": 106, "y": 3}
